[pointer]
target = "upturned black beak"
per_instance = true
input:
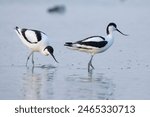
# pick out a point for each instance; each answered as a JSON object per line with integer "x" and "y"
{"x": 121, "y": 32}
{"x": 54, "y": 57}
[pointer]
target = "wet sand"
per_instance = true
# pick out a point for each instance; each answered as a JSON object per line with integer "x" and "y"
{"x": 122, "y": 72}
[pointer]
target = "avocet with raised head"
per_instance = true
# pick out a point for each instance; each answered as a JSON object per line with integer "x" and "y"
{"x": 95, "y": 44}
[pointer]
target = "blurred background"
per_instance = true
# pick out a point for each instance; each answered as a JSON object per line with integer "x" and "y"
{"x": 122, "y": 72}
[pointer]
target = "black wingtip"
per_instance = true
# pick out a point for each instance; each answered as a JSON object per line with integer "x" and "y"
{"x": 68, "y": 44}
{"x": 16, "y": 27}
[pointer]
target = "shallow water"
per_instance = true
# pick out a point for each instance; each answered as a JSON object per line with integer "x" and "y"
{"x": 123, "y": 72}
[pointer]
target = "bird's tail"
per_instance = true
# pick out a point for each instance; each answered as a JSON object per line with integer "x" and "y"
{"x": 69, "y": 44}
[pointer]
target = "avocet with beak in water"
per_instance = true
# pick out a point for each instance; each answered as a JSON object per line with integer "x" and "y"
{"x": 36, "y": 40}
{"x": 95, "y": 44}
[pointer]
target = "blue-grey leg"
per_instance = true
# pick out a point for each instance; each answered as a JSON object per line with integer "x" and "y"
{"x": 33, "y": 59}
{"x": 28, "y": 58}
{"x": 90, "y": 63}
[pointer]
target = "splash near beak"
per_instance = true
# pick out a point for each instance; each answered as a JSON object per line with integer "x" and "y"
{"x": 54, "y": 58}
{"x": 121, "y": 32}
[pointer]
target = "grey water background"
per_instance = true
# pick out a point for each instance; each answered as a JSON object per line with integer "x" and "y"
{"x": 122, "y": 72}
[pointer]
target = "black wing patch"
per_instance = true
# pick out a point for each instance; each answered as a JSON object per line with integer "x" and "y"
{"x": 24, "y": 35}
{"x": 38, "y": 35}
{"x": 95, "y": 44}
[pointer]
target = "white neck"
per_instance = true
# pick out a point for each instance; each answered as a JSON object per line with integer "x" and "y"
{"x": 110, "y": 38}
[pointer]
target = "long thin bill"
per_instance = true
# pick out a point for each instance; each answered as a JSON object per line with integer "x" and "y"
{"x": 121, "y": 32}
{"x": 54, "y": 58}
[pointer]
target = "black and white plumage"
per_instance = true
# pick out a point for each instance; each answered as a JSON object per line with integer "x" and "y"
{"x": 35, "y": 40}
{"x": 95, "y": 44}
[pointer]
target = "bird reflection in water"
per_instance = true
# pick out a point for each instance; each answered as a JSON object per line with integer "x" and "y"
{"x": 37, "y": 82}
{"x": 90, "y": 87}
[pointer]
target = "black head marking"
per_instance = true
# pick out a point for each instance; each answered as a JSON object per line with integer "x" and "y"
{"x": 50, "y": 49}
{"x": 110, "y": 24}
